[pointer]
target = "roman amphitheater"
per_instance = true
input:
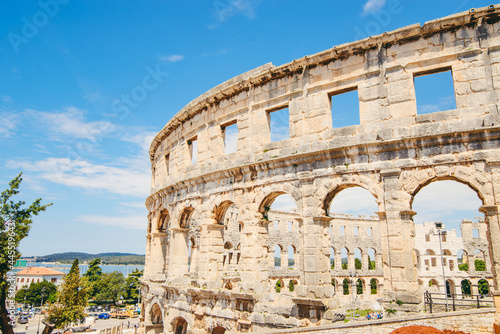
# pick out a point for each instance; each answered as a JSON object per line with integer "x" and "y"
{"x": 219, "y": 259}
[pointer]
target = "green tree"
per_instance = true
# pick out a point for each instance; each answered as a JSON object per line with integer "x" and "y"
{"x": 357, "y": 263}
{"x": 483, "y": 287}
{"x": 479, "y": 265}
{"x": 373, "y": 286}
{"x": 359, "y": 287}
{"x": 133, "y": 284}
{"x": 345, "y": 286}
{"x": 111, "y": 287}
{"x": 371, "y": 264}
{"x": 466, "y": 287}
{"x": 33, "y": 294}
{"x": 15, "y": 223}
{"x": 463, "y": 267}
{"x": 71, "y": 302}
{"x": 93, "y": 278}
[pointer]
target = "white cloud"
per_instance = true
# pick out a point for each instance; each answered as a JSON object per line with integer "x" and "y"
{"x": 71, "y": 123}
{"x": 172, "y": 58}
{"x": 7, "y": 99}
{"x": 225, "y": 9}
{"x": 143, "y": 139}
{"x": 8, "y": 123}
{"x": 354, "y": 201}
{"x": 284, "y": 203}
{"x": 372, "y": 6}
{"x": 138, "y": 222}
{"x": 446, "y": 201}
{"x": 82, "y": 174}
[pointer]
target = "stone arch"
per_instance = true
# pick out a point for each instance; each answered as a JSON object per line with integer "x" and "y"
{"x": 266, "y": 196}
{"x": 220, "y": 211}
{"x": 155, "y": 315}
{"x": 433, "y": 285}
{"x": 466, "y": 287}
{"x": 467, "y": 176}
{"x": 483, "y": 287}
{"x": 179, "y": 325}
{"x": 446, "y": 252}
{"x": 219, "y": 330}
{"x": 163, "y": 220}
{"x": 327, "y": 194}
{"x": 186, "y": 216}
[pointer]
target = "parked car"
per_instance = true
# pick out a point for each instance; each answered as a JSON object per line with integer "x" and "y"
{"x": 104, "y": 315}
{"x": 22, "y": 320}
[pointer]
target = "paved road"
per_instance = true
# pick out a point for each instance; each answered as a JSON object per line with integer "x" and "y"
{"x": 99, "y": 324}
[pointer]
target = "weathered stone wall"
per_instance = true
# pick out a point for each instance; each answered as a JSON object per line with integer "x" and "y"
{"x": 473, "y": 322}
{"x": 392, "y": 153}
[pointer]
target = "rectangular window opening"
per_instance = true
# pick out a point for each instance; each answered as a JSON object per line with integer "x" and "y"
{"x": 355, "y": 230}
{"x": 290, "y": 226}
{"x": 276, "y": 225}
{"x": 342, "y": 230}
{"x": 369, "y": 231}
{"x": 345, "y": 107}
{"x": 230, "y": 134}
{"x": 427, "y": 237}
{"x": 193, "y": 149}
{"x": 475, "y": 233}
{"x": 434, "y": 91}
{"x": 279, "y": 124}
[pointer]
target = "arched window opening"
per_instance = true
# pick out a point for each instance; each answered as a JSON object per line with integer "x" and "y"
{"x": 291, "y": 257}
{"x": 163, "y": 221}
{"x": 441, "y": 207}
{"x": 186, "y": 216}
{"x": 373, "y": 286}
{"x": 358, "y": 264}
{"x": 360, "y": 286}
{"x": 155, "y": 314}
{"x": 277, "y": 256}
{"x": 479, "y": 263}
{"x": 371, "y": 259}
{"x": 344, "y": 258}
{"x": 483, "y": 287}
{"x": 279, "y": 285}
{"x": 179, "y": 325}
{"x": 332, "y": 258}
{"x": 345, "y": 286}
{"x": 466, "y": 287}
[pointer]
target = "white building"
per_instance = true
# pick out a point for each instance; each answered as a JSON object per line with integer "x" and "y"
{"x": 471, "y": 246}
{"x": 37, "y": 274}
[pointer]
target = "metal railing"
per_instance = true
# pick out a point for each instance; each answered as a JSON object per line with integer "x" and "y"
{"x": 456, "y": 301}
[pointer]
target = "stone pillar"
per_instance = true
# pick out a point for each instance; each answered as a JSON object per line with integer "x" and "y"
{"x": 255, "y": 253}
{"x": 316, "y": 257}
{"x": 398, "y": 245}
{"x": 364, "y": 260}
{"x": 158, "y": 252}
{"x": 179, "y": 252}
{"x": 210, "y": 266}
{"x": 491, "y": 213}
{"x": 350, "y": 260}
{"x": 338, "y": 260}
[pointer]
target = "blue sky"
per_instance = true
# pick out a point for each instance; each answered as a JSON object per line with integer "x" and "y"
{"x": 86, "y": 85}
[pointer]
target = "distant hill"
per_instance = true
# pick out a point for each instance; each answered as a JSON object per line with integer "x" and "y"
{"x": 106, "y": 258}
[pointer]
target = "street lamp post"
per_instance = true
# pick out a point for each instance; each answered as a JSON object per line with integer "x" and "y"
{"x": 40, "y": 315}
{"x": 441, "y": 231}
